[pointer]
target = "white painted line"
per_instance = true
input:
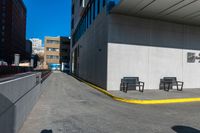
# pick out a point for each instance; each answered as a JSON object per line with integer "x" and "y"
{"x": 5, "y": 82}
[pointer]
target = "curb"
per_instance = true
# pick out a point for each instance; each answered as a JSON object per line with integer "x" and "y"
{"x": 142, "y": 102}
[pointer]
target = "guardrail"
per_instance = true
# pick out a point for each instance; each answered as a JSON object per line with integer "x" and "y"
{"x": 17, "y": 98}
{"x": 44, "y": 74}
{"x": 9, "y": 70}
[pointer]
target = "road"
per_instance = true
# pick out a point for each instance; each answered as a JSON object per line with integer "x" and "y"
{"x": 70, "y": 106}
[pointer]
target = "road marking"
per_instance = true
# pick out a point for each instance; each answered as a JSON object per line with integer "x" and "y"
{"x": 144, "y": 102}
{"x": 5, "y": 82}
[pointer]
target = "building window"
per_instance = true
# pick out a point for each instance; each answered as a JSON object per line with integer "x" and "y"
{"x": 53, "y": 49}
{"x": 104, "y": 3}
{"x": 53, "y": 42}
{"x": 2, "y": 39}
{"x": 89, "y": 17}
{"x": 3, "y": 14}
{"x": 63, "y": 42}
{"x": 3, "y": 27}
{"x": 98, "y": 7}
{"x": 81, "y": 2}
{"x": 72, "y": 24}
{"x": 73, "y": 9}
{"x": 4, "y": 8}
{"x": 52, "y": 57}
{"x": 64, "y": 58}
{"x": 2, "y": 33}
{"x": 3, "y": 21}
{"x": 4, "y": 2}
{"x": 91, "y": 12}
{"x": 86, "y": 17}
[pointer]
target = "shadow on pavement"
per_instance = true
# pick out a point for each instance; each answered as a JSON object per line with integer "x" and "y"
{"x": 7, "y": 115}
{"x": 46, "y": 131}
{"x": 185, "y": 129}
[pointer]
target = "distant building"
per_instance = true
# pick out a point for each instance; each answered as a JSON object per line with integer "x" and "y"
{"x": 36, "y": 42}
{"x": 57, "y": 52}
{"x": 35, "y": 59}
{"x": 12, "y": 30}
{"x": 29, "y": 48}
{"x": 37, "y": 46}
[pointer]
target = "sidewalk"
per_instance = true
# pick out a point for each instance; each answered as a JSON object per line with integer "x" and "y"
{"x": 157, "y": 94}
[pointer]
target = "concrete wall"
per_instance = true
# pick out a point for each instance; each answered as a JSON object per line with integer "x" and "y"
{"x": 92, "y": 58}
{"x": 151, "y": 49}
{"x": 17, "y": 98}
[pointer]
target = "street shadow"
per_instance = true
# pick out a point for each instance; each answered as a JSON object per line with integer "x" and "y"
{"x": 7, "y": 115}
{"x": 46, "y": 131}
{"x": 185, "y": 129}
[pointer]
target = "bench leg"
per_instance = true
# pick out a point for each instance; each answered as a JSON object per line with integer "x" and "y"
{"x": 181, "y": 88}
{"x": 166, "y": 89}
{"x": 177, "y": 87}
{"x": 125, "y": 88}
{"x": 121, "y": 88}
{"x": 141, "y": 89}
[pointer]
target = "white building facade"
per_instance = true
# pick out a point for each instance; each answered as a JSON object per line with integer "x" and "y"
{"x": 37, "y": 46}
{"x": 148, "y": 39}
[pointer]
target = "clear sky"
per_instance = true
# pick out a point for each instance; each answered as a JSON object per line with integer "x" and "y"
{"x": 48, "y": 18}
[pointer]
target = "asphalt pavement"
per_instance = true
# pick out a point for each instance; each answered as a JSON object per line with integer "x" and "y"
{"x": 14, "y": 76}
{"x": 70, "y": 106}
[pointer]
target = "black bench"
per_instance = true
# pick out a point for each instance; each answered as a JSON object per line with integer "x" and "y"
{"x": 167, "y": 83}
{"x": 131, "y": 83}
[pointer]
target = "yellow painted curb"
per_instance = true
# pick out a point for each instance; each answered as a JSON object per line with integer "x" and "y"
{"x": 144, "y": 102}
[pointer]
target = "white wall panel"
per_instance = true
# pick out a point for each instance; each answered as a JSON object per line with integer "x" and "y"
{"x": 151, "y": 50}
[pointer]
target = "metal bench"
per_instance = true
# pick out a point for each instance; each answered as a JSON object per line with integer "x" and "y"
{"x": 168, "y": 83}
{"x": 131, "y": 83}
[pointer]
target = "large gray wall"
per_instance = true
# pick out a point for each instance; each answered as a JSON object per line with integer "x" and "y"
{"x": 93, "y": 52}
{"x": 17, "y": 98}
{"x": 151, "y": 49}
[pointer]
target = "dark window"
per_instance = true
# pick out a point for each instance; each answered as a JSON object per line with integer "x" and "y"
{"x": 81, "y": 2}
{"x": 53, "y": 42}
{"x": 53, "y": 49}
{"x": 86, "y": 17}
{"x": 104, "y": 3}
{"x": 78, "y": 51}
{"x": 72, "y": 9}
{"x": 72, "y": 24}
{"x": 91, "y": 12}
{"x": 52, "y": 57}
{"x": 98, "y": 7}
{"x": 94, "y": 9}
{"x": 90, "y": 16}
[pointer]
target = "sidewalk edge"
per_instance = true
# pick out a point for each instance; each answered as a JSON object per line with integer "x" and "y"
{"x": 143, "y": 102}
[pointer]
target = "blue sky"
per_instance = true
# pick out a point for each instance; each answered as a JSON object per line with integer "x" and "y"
{"x": 48, "y": 18}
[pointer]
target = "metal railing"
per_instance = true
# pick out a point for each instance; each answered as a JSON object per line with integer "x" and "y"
{"x": 44, "y": 74}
